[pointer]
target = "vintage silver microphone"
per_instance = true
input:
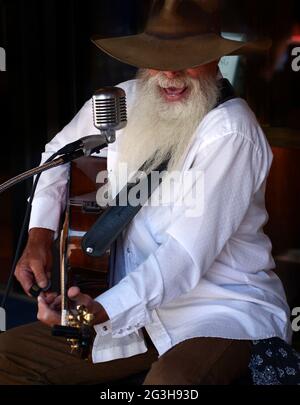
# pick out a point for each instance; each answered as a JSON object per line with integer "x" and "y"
{"x": 109, "y": 110}
{"x": 109, "y": 115}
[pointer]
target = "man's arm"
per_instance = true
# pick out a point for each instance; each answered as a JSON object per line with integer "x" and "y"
{"x": 48, "y": 205}
{"x": 233, "y": 170}
{"x": 50, "y": 196}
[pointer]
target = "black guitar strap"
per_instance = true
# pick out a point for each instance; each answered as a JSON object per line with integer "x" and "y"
{"x": 116, "y": 218}
{"x": 227, "y": 92}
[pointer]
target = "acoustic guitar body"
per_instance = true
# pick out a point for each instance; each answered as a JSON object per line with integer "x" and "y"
{"x": 78, "y": 269}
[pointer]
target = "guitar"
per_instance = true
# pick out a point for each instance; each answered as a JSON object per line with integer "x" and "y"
{"x": 76, "y": 268}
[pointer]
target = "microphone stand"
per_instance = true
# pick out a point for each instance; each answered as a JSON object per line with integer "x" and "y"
{"x": 83, "y": 147}
{"x": 40, "y": 169}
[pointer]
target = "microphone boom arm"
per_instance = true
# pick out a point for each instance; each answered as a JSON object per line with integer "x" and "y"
{"x": 88, "y": 146}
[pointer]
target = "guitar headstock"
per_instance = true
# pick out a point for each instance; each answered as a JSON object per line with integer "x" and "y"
{"x": 78, "y": 330}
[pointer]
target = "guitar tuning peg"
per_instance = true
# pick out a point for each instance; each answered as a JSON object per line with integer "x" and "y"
{"x": 74, "y": 347}
{"x": 81, "y": 309}
{"x": 89, "y": 318}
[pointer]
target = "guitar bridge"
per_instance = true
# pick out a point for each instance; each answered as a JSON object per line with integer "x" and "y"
{"x": 91, "y": 207}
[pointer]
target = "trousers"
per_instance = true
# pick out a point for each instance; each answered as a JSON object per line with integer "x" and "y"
{"x": 29, "y": 355}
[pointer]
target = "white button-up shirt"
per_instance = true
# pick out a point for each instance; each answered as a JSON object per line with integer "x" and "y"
{"x": 184, "y": 276}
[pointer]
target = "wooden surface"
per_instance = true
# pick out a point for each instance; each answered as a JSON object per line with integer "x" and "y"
{"x": 283, "y": 200}
{"x": 283, "y": 137}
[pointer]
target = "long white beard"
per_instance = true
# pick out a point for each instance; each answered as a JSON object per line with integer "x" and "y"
{"x": 158, "y": 129}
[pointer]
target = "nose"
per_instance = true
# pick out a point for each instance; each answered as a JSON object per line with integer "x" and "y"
{"x": 171, "y": 75}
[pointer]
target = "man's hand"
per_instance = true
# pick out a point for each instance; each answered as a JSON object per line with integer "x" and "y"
{"x": 35, "y": 264}
{"x": 49, "y": 307}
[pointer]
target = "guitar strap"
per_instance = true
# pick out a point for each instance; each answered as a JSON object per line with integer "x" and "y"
{"x": 101, "y": 237}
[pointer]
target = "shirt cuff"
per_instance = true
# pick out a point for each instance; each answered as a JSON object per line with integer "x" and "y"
{"x": 104, "y": 328}
{"x": 45, "y": 214}
{"x": 125, "y": 310}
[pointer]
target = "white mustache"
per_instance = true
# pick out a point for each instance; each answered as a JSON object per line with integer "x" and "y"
{"x": 178, "y": 82}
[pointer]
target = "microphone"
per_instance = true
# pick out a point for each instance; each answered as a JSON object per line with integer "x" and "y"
{"x": 109, "y": 116}
{"x": 109, "y": 111}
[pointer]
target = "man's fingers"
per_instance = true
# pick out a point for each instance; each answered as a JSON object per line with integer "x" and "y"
{"x": 25, "y": 278}
{"x": 56, "y": 304}
{"x": 29, "y": 273}
{"x": 81, "y": 299}
{"x": 73, "y": 292}
{"x": 47, "y": 315}
{"x": 92, "y": 306}
{"x": 50, "y": 297}
{"x": 39, "y": 273}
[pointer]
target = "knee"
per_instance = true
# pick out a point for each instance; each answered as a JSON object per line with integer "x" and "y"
{"x": 6, "y": 355}
{"x": 15, "y": 362}
{"x": 9, "y": 349}
{"x": 166, "y": 371}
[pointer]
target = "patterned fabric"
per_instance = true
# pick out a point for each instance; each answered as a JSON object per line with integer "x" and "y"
{"x": 274, "y": 362}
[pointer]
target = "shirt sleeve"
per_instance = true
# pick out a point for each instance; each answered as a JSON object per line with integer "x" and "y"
{"x": 50, "y": 196}
{"x": 232, "y": 169}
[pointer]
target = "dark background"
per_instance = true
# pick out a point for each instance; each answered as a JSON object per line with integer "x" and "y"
{"x": 53, "y": 68}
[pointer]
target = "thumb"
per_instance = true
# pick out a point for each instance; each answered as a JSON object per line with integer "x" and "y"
{"x": 76, "y": 295}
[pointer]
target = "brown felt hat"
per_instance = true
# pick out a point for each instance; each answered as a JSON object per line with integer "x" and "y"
{"x": 179, "y": 34}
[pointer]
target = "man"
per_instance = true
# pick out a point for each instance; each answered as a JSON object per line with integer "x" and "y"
{"x": 191, "y": 291}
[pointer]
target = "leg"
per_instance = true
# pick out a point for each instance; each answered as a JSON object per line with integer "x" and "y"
{"x": 29, "y": 355}
{"x": 205, "y": 361}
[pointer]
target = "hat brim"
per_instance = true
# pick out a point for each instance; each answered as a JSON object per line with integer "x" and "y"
{"x": 147, "y": 51}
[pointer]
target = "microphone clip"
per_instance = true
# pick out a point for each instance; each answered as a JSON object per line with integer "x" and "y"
{"x": 93, "y": 144}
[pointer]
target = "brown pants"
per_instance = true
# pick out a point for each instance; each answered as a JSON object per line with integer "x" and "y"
{"x": 29, "y": 355}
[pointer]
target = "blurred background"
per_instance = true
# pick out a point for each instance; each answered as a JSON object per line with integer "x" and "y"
{"x": 52, "y": 68}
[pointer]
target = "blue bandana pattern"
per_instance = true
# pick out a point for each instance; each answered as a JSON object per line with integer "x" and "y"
{"x": 274, "y": 362}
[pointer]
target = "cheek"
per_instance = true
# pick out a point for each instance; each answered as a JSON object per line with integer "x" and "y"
{"x": 152, "y": 72}
{"x": 202, "y": 70}
{"x": 195, "y": 73}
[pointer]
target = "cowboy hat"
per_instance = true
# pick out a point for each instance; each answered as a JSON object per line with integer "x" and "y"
{"x": 179, "y": 34}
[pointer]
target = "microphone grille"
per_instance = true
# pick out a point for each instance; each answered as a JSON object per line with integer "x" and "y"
{"x": 109, "y": 108}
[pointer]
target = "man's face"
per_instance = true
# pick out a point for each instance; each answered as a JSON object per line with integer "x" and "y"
{"x": 169, "y": 107}
{"x": 180, "y": 92}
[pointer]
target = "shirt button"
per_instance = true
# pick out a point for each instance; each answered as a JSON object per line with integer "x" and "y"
{"x": 128, "y": 250}
{"x": 105, "y": 329}
{"x": 120, "y": 331}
